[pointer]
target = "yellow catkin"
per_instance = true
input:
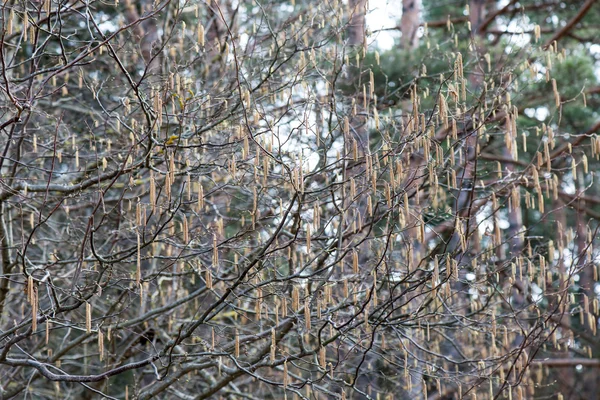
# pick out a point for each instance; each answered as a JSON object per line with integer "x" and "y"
{"x": 307, "y": 314}
{"x": 285, "y": 375}
{"x": 186, "y": 233}
{"x": 323, "y": 357}
{"x": 443, "y": 110}
{"x": 273, "y": 345}
{"x": 34, "y": 309}
{"x": 101, "y": 344}
{"x": 237, "y": 344}
{"x": 88, "y": 317}
{"x": 295, "y": 298}
{"x": 556, "y": 94}
{"x": 9, "y": 25}
{"x": 30, "y": 289}
{"x": 48, "y": 326}
{"x": 208, "y": 279}
{"x": 215, "y": 252}
{"x": 138, "y": 270}
{"x": 200, "y": 35}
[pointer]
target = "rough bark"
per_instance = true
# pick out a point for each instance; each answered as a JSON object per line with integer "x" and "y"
{"x": 409, "y": 23}
{"x": 356, "y": 24}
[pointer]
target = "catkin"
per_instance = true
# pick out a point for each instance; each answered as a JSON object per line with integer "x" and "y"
{"x": 200, "y": 35}
{"x": 273, "y": 345}
{"x": 88, "y": 317}
{"x": 101, "y": 344}
{"x": 307, "y": 315}
{"x": 237, "y": 344}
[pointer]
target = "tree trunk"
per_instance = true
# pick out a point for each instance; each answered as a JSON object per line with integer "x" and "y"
{"x": 409, "y": 23}
{"x": 356, "y": 24}
{"x": 476, "y": 14}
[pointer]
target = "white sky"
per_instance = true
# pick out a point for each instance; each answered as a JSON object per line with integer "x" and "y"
{"x": 383, "y": 14}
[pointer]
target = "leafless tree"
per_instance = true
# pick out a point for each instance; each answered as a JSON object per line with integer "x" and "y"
{"x": 226, "y": 199}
